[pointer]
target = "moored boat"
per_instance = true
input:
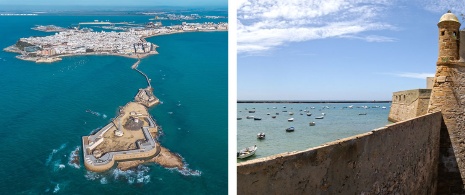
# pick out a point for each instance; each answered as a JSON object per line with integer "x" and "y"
{"x": 250, "y": 117}
{"x": 261, "y": 135}
{"x": 312, "y": 123}
{"x": 320, "y": 117}
{"x": 247, "y": 152}
{"x": 273, "y": 116}
{"x": 251, "y": 111}
{"x": 290, "y": 129}
{"x": 309, "y": 114}
{"x": 257, "y": 119}
{"x": 238, "y": 118}
{"x": 290, "y": 119}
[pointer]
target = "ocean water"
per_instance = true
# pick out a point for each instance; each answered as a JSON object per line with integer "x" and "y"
{"x": 44, "y": 113}
{"x": 339, "y": 122}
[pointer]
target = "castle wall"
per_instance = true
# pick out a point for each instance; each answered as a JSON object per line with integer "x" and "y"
{"x": 409, "y": 104}
{"x": 448, "y": 96}
{"x": 400, "y": 158}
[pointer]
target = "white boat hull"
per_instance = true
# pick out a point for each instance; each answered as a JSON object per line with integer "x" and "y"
{"x": 247, "y": 152}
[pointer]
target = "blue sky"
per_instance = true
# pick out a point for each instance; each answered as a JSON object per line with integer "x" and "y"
{"x": 119, "y": 2}
{"x": 336, "y": 49}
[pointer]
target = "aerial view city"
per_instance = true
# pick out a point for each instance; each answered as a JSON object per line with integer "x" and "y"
{"x": 112, "y": 99}
{"x": 350, "y": 97}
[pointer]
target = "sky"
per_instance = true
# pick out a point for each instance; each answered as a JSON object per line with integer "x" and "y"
{"x": 336, "y": 49}
{"x": 118, "y": 2}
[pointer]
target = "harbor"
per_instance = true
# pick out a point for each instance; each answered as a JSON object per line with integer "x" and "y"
{"x": 340, "y": 120}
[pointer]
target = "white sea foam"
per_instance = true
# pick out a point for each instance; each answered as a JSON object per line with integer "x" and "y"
{"x": 72, "y": 155}
{"x": 104, "y": 116}
{"x": 103, "y": 180}
{"x": 92, "y": 175}
{"x": 138, "y": 175}
{"x": 61, "y": 166}
{"x": 56, "y": 189}
{"x": 54, "y": 151}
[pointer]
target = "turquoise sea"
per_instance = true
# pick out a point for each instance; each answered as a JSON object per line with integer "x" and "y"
{"x": 44, "y": 114}
{"x": 340, "y": 120}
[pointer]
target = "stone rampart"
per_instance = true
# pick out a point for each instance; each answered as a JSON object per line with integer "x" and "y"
{"x": 409, "y": 104}
{"x": 401, "y": 158}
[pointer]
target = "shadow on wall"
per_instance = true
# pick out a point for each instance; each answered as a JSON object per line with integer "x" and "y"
{"x": 449, "y": 179}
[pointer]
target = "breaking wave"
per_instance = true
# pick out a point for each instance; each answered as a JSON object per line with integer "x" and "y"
{"x": 56, "y": 189}
{"x": 73, "y": 159}
{"x": 139, "y": 175}
{"x": 54, "y": 151}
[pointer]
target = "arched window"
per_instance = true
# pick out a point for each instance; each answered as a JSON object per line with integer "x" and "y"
{"x": 442, "y": 33}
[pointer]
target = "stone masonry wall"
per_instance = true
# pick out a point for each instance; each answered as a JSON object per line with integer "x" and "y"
{"x": 448, "y": 96}
{"x": 400, "y": 158}
{"x": 409, "y": 104}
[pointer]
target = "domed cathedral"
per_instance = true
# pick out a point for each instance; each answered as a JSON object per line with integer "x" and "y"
{"x": 448, "y": 97}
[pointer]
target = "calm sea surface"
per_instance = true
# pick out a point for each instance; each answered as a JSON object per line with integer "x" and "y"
{"x": 44, "y": 114}
{"x": 339, "y": 122}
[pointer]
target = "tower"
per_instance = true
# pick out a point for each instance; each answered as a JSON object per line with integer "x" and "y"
{"x": 448, "y": 27}
{"x": 448, "y": 97}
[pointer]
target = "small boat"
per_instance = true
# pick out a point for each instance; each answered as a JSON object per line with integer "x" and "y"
{"x": 273, "y": 116}
{"x": 284, "y": 110}
{"x": 250, "y": 117}
{"x": 290, "y": 119}
{"x": 277, "y": 113}
{"x": 301, "y": 114}
{"x": 312, "y": 123}
{"x": 239, "y": 118}
{"x": 290, "y": 129}
{"x": 267, "y": 113}
{"x": 309, "y": 114}
{"x": 246, "y": 152}
{"x": 362, "y": 114}
{"x": 320, "y": 117}
{"x": 261, "y": 135}
{"x": 251, "y": 111}
{"x": 384, "y": 107}
{"x": 323, "y": 114}
{"x": 291, "y": 113}
{"x": 257, "y": 119}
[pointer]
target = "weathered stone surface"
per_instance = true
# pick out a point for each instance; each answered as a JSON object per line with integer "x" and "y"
{"x": 401, "y": 158}
{"x": 409, "y": 104}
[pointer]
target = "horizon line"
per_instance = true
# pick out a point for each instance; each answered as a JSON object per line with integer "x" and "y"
{"x": 314, "y": 101}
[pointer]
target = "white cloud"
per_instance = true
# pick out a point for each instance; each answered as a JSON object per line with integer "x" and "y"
{"x": 266, "y": 24}
{"x": 442, "y": 6}
{"x": 413, "y": 75}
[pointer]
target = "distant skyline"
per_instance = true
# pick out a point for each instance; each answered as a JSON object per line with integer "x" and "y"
{"x": 117, "y": 3}
{"x": 336, "y": 49}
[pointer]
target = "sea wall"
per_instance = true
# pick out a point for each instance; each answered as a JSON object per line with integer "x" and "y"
{"x": 401, "y": 158}
{"x": 409, "y": 104}
{"x": 117, "y": 156}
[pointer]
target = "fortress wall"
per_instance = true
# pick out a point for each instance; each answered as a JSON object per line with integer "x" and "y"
{"x": 409, "y": 104}
{"x": 400, "y": 158}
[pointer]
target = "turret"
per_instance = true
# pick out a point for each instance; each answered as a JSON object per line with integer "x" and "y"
{"x": 448, "y": 38}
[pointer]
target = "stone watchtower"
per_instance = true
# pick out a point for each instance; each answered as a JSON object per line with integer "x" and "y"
{"x": 448, "y": 96}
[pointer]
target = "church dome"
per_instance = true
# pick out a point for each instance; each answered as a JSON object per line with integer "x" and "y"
{"x": 449, "y": 17}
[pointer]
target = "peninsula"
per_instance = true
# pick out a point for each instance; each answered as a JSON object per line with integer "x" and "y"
{"x": 130, "y": 138}
{"x": 130, "y": 43}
